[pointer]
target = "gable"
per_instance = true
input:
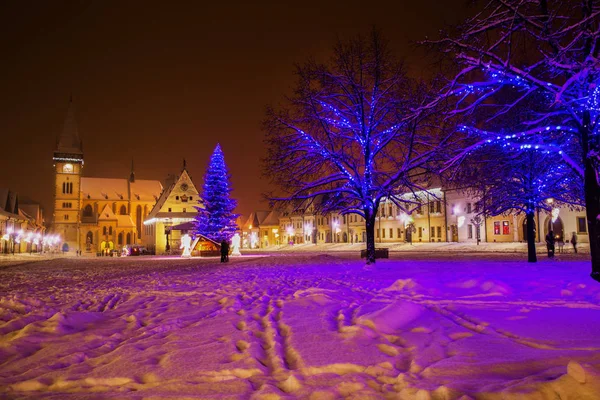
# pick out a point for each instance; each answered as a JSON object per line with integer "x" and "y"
{"x": 107, "y": 214}
{"x": 180, "y": 194}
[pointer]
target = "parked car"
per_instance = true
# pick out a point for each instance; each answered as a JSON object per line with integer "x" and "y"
{"x": 115, "y": 253}
{"x": 135, "y": 251}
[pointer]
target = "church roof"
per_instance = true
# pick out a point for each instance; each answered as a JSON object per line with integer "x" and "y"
{"x": 123, "y": 221}
{"x": 145, "y": 190}
{"x": 120, "y": 189}
{"x": 69, "y": 142}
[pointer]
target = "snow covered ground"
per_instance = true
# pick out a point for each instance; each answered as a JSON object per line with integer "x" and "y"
{"x": 488, "y": 326}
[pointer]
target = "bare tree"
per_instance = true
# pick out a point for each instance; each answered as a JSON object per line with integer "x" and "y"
{"x": 352, "y": 134}
{"x": 515, "y": 49}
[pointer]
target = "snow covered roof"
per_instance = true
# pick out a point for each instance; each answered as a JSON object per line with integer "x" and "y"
{"x": 104, "y": 188}
{"x": 272, "y": 218}
{"x": 120, "y": 189}
{"x": 160, "y": 210}
{"x": 145, "y": 190}
{"x": 123, "y": 221}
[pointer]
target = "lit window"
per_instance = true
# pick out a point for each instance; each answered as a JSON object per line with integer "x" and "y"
{"x": 505, "y": 227}
{"x": 68, "y": 168}
{"x": 496, "y": 227}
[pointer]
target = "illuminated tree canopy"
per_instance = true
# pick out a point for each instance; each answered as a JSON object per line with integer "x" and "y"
{"x": 516, "y": 50}
{"x": 353, "y": 132}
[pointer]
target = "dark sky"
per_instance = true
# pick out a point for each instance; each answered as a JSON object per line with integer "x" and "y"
{"x": 159, "y": 81}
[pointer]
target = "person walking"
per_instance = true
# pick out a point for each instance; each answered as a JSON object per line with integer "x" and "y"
{"x": 224, "y": 251}
{"x": 550, "y": 244}
{"x": 574, "y": 242}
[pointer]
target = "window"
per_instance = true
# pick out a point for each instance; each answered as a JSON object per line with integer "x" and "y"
{"x": 123, "y": 210}
{"x": 68, "y": 168}
{"x": 383, "y": 233}
{"x": 581, "y": 225}
{"x": 66, "y": 217}
{"x": 496, "y": 227}
{"x": 344, "y": 218}
{"x": 184, "y": 210}
{"x": 110, "y": 230}
{"x": 120, "y": 238}
{"x": 505, "y": 227}
{"x": 87, "y": 211}
{"x": 433, "y": 231}
{"x": 191, "y": 198}
{"x": 469, "y": 208}
{"x": 431, "y": 208}
{"x": 419, "y": 209}
{"x": 421, "y": 232}
{"x": 129, "y": 238}
{"x": 399, "y": 233}
{"x": 377, "y": 233}
{"x": 104, "y": 230}
{"x": 439, "y": 230}
{"x": 169, "y": 210}
{"x": 438, "y": 206}
{"x": 176, "y": 197}
{"x": 469, "y": 227}
{"x": 391, "y": 233}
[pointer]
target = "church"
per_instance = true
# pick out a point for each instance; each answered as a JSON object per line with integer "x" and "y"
{"x": 99, "y": 215}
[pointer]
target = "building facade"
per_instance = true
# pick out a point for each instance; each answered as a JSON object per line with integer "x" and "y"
{"x": 437, "y": 215}
{"x": 97, "y": 215}
{"x": 22, "y": 225}
{"x": 176, "y": 205}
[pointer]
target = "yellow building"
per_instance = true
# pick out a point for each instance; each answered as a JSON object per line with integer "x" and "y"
{"x": 96, "y": 215}
{"x": 176, "y": 205}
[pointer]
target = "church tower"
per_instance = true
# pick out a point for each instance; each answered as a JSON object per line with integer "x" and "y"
{"x": 68, "y": 164}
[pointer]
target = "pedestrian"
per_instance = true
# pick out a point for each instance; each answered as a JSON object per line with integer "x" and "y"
{"x": 224, "y": 251}
{"x": 550, "y": 244}
{"x": 574, "y": 242}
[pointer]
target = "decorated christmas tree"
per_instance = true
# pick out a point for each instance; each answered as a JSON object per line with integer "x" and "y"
{"x": 216, "y": 219}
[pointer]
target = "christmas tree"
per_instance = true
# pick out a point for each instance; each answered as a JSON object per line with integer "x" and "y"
{"x": 216, "y": 219}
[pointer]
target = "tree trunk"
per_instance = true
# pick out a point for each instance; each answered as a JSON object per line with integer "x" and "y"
{"x": 370, "y": 228}
{"x": 531, "y": 255}
{"x": 592, "y": 194}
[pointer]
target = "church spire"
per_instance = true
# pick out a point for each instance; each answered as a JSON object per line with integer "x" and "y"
{"x": 132, "y": 174}
{"x": 69, "y": 143}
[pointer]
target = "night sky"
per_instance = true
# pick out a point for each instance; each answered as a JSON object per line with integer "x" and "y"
{"x": 162, "y": 81}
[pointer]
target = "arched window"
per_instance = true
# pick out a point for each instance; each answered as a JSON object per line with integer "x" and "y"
{"x": 114, "y": 208}
{"x": 120, "y": 238}
{"x": 87, "y": 211}
{"x": 138, "y": 218}
{"x": 110, "y": 230}
{"x": 123, "y": 210}
{"x": 104, "y": 230}
{"x": 128, "y": 238}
